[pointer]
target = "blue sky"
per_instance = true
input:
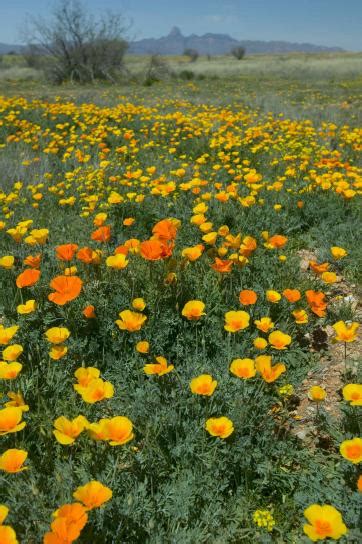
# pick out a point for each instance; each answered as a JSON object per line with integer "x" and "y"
{"x": 323, "y": 22}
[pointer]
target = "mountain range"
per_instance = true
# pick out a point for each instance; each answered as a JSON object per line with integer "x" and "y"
{"x": 217, "y": 44}
{"x": 207, "y": 44}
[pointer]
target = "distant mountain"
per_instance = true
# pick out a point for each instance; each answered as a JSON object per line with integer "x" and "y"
{"x": 217, "y": 44}
{"x": 208, "y": 44}
{"x": 6, "y": 48}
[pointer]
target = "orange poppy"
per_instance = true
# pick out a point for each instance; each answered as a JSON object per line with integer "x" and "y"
{"x": 316, "y": 302}
{"x": 248, "y": 297}
{"x": 121, "y": 250}
{"x": 152, "y": 250}
{"x": 277, "y": 241}
{"x": 318, "y": 268}
{"x": 222, "y": 266}
{"x": 103, "y": 234}
{"x": 292, "y": 295}
{"x": 28, "y": 278}
{"x": 165, "y": 230}
{"x": 66, "y": 289}
{"x": 89, "y": 312}
{"x": 85, "y": 254}
{"x": 33, "y": 260}
{"x": 66, "y": 252}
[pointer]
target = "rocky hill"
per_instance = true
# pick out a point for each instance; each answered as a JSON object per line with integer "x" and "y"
{"x": 217, "y": 44}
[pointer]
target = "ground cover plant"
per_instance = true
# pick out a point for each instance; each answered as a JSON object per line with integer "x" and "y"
{"x": 157, "y": 324}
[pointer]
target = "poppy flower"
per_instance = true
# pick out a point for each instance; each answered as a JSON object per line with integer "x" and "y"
{"x": 93, "y": 494}
{"x": 40, "y": 235}
{"x": 300, "y": 316}
{"x": 273, "y": 296}
{"x": 119, "y": 261}
{"x": 69, "y": 521}
{"x": 268, "y": 372}
{"x": 352, "y": 392}
{"x": 7, "y": 333}
{"x": 67, "y": 430}
{"x": 99, "y": 219}
{"x": 119, "y": 430}
{"x": 203, "y": 385}
{"x": 317, "y": 393}
{"x": 352, "y": 450}
{"x": 143, "y": 346}
{"x": 11, "y": 353}
{"x": 17, "y": 400}
{"x": 279, "y": 340}
{"x": 10, "y": 420}
{"x": 8, "y": 535}
{"x": 4, "y": 510}
{"x": 102, "y": 234}
{"x": 193, "y": 310}
{"x": 243, "y": 368}
{"x": 66, "y": 252}
{"x": 192, "y": 253}
{"x": 316, "y": 302}
{"x": 248, "y": 246}
{"x": 85, "y": 375}
{"x": 57, "y": 335}
{"x": 12, "y": 460}
{"x": 9, "y": 371}
{"x": 236, "y": 321}
{"x": 219, "y": 426}
{"x": 86, "y": 255}
{"x": 89, "y": 312}
{"x": 160, "y": 368}
{"x": 28, "y": 278}
{"x": 329, "y": 277}
{"x": 276, "y": 242}
{"x": 130, "y": 321}
{"x": 210, "y": 238}
{"x": 33, "y": 260}
{"x": 152, "y": 250}
{"x": 292, "y": 295}
{"x": 165, "y": 230}
{"x": 27, "y": 308}
{"x": 7, "y": 262}
{"x": 222, "y": 266}
{"x": 57, "y": 352}
{"x": 247, "y": 297}
{"x": 345, "y": 332}
{"x": 264, "y": 324}
{"x": 338, "y": 252}
{"x": 95, "y": 391}
{"x": 66, "y": 288}
{"x": 318, "y": 268}
{"x": 138, "y": 304}
{"x": 260, "y": 343}
{"x": 323, "y": 522}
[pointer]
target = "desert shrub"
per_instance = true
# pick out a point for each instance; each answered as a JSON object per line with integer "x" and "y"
{"x": 238, "y": 52}
{"x": 192, "y": 54}
{"x": 77, "y": 47}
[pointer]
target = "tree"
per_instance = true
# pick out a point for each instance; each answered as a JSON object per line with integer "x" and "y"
{"x": 238, "y": 52}
{"x": 192, "y": 54}
{"x": 77, "y": 46}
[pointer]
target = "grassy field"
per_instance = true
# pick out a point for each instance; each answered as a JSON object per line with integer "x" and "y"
{"x": 178, "y": 259}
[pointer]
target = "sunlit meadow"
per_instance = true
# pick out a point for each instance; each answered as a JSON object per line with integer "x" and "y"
{"x": 169, "y": 257}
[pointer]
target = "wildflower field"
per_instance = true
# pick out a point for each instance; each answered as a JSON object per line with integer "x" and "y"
{"x": 175, "y": 266}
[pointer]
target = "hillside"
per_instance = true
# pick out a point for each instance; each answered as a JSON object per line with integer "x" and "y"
{"x": 217, "y": 44}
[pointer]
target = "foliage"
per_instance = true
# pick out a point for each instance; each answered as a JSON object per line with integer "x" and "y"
{"x": 250, "y": 188}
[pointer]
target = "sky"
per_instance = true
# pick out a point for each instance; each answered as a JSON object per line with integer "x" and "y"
{"x": 321, "y": 22}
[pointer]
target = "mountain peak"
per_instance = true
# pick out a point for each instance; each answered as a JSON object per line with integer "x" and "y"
{"x": 175, "y": 32}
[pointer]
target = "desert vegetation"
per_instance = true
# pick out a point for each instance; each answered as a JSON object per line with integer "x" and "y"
{"x": 180, "y": 275}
